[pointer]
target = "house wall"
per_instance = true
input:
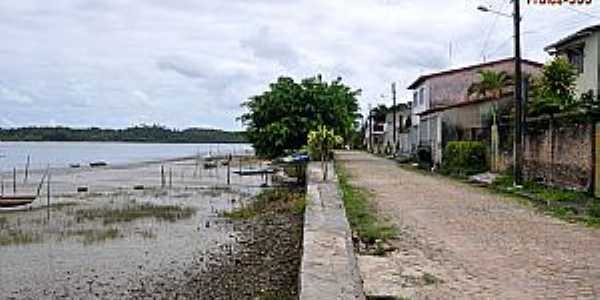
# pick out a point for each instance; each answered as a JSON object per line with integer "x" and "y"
{"x": 453, "y": 88}
{"x": 588, "y": 80}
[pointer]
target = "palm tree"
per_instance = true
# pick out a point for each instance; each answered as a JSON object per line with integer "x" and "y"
{"x": 491, "y": 84}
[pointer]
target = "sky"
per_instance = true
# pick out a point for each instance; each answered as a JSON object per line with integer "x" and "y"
{"x": 191, "y": 63}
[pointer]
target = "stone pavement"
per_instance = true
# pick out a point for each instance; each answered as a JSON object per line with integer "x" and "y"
{"x": 461, "y": 242}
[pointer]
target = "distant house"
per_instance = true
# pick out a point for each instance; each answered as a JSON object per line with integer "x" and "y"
{"x": 582, "y": 49}
{"x": 444, "y": 111}
{"x": 374, "y": 134}
{"x": 403, "y": 115}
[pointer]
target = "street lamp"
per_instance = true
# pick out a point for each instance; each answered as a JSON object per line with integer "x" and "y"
{"x": 488, "y": 9}
{"x": 517, "y": 147}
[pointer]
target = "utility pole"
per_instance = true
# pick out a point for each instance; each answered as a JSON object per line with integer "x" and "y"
{"x": 518, "y": 144}
{"x": 394, "y": 116}
{"x": 370, "y": 129}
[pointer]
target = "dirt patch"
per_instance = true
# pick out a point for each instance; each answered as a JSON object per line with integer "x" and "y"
{"x": 263, "y": 263}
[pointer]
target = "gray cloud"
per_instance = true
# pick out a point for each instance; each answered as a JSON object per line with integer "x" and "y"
{"x": 113, "y": 63}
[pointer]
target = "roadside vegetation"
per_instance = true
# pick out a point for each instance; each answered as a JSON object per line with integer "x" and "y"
{"x": 361, "y": 215}
{"x": 278, "y": 200}
{"x": 568, "y": 205}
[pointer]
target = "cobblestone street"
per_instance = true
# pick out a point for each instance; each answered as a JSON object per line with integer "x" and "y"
{"x": 478, "y": 245}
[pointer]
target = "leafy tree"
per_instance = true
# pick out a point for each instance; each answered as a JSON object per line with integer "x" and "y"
{"x": 379, "y": 112}
{"x": 280, "y": 118}
{"x": 554, "y": 90}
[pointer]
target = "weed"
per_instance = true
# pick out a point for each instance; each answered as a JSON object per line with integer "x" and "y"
{"x": 430, "y": 279}
{"x": 275, "y": 200}
{"x": 361, "y": 215}
{"x": 10, "y": 237}
{"x": 92, "y": 236}
{"x": 110, "y": 215}
{"x": 147, "y": 234}
{"x": 564, "y": 204}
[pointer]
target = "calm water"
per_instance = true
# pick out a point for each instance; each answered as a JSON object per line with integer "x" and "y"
{"x": 61, "y": 154}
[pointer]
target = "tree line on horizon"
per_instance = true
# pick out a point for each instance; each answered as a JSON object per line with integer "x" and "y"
{"x": 137, "y": 134}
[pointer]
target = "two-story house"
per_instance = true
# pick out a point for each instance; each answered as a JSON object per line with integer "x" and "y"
{"x": 436, "y": 93}
{"x": 582, "y": 49}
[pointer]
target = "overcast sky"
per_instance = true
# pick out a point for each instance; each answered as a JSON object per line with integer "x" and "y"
{"x": 184, "y": 63}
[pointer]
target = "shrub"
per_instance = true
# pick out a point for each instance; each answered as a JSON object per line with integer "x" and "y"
{"x": 464, "y": 158}
{"x": 424, "y": 157}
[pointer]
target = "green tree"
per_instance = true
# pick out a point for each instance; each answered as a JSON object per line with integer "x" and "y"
{"x": 554, "y": 90}
{"x": 280, "y": 118}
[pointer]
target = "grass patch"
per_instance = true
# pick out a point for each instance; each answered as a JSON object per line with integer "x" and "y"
{"x": 568, "y": 205}
{"x": 132, "y": 212}
{"x": 17, "y": 237}
{"x": 277, "y": 200}
{"x": 273, "y": 296}
{"x": 386, "y": 298}
{"x": 361, "y": 215}
{"x": 430, "y": 279}
{"x": 3, "y": 222}
{"x": 93, "y": 236}
{"x": 147, "y": 234}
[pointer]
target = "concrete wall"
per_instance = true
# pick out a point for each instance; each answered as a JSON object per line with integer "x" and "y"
{"x": 559, "y": 156}
{"x": 329, "y": 269}
{"x": 562, "y": 156}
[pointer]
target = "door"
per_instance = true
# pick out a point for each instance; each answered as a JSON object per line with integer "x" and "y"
{"x": 597, "y": 161}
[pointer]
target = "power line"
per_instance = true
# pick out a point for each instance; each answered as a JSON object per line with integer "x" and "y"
{"x": 490, "y": 29}
{"x": 582, "y": 12}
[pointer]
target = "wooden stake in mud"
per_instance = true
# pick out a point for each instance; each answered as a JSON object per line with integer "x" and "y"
{"x": 48, "y": 196}
{"x": 162, "y": 176}
{"x": 27, "y": 169}
{"x": 170, "y": 177}
{"x": 14, "y": 180}
{"x": 2, "y": 186}
{"x": 229, "y": 169}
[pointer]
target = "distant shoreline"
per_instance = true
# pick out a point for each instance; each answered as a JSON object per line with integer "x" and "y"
{"x": 139, "y": 134}
{"x": 127, "y": 142}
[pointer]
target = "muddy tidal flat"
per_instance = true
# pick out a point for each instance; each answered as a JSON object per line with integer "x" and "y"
{"x": 164, "y": 239}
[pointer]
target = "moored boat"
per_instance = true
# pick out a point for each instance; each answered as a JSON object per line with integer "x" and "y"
{"x": 16, "y": 200}
{"x": 98, "y": 164}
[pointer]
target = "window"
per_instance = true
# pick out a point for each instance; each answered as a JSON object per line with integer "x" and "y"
{"x": 575, "y": 57}
{"x": 416, "y": 97}
{"x": 421, "y": 96}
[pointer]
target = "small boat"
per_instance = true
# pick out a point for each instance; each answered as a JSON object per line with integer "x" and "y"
{"x": 251, "y": 172}
{"x": 16, "y": 201}
{"x": 98, "y": 164}
{"x": 225, "y": 162}
{"x": 75, "y": 166}
{"x": 210, "y": 165}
